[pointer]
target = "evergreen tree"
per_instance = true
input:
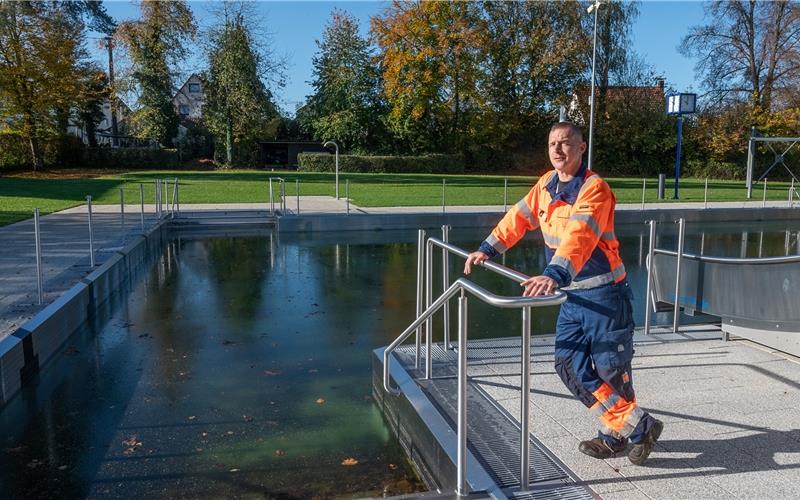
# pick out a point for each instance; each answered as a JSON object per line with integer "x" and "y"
{"x": 346, "y": 104}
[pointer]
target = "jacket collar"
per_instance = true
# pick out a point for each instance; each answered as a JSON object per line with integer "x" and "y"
{"x": 570, "y": 192}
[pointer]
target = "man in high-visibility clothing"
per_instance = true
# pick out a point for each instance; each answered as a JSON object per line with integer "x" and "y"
{"x": 574, "y": 208}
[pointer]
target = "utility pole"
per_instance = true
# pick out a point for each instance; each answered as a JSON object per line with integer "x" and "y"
{"x": 112, "y": 99}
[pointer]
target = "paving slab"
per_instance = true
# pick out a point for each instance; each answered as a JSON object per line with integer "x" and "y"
{"x": 708, "y": 449}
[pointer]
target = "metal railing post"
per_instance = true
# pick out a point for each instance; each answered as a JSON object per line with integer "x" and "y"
{"x": 644, "y": 190}
{"x": 505, "y": 195}
{"x": 446, "y": 285}
{"x": 38, "y": 239}
{"x": 141, "y": 205}
{"x": 462, "y": 488}
{"x": 156, "y": 200}
{"x": 347, "y": 194}
{"x": 271, "y": 199}
{"x": 122, "y": 208}
{"x": 165, "y": 194}
{"x": 525, "y": 405}
{"x": 791, "y": 194}
{"x": 428, "y": 302}
{"x": 297, "y": 193}
{"x": 705, "y": 195}
{"x": 177, "y": 196}
{"x": 443, "y": 196}
{"x": 91, "y": 232}
{"x": 677, "y": 311}
{"x": 283, "y": 197}
{"x": 174, "y": 195}
{"x": 764, "y": 198}
{"x": 420, "y": 289}
{"x": 648, "y": 306}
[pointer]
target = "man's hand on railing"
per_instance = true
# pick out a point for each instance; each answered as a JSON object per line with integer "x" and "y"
{"x": 476, "y": 258}
{"x": 538, "y": 285}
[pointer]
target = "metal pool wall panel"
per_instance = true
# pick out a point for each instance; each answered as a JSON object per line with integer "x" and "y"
{"x": 24, "y": 352}
{"x": 624, "y": 215}
{"x": 428, "y": 440}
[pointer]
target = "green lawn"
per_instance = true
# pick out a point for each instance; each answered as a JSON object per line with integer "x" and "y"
{"x": 20, "y": 195}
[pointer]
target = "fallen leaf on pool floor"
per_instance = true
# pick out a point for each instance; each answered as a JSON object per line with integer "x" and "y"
{"x": 349, "y": 461}
{"x": 320, "y": 401}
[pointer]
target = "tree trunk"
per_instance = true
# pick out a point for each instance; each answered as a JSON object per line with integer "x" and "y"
{"x": 36, "y": 150}
{"x": 229, "y": 141}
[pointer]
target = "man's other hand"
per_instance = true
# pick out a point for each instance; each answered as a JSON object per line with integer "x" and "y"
{"x": 538, "y": 285}
{"x": 476, "y": 258}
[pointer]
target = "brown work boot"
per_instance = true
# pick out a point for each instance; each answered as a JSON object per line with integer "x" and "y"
{"x": 641, "y": 451}
{"x": 598, "y": 448}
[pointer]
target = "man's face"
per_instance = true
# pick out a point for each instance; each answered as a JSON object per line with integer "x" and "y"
{"x": 565, "y": 151}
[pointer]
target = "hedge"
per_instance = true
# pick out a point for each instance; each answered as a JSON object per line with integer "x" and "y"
{"x": 129, "y": 158}
{"x": 424, "y": 164}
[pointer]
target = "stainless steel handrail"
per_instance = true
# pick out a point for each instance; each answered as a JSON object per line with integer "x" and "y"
{"x": 733, "y": 260}
{"x": 462, "y": 285}
{"x": 492, "y": 266}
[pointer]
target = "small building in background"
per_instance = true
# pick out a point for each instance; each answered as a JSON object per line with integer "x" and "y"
{"x": 189, "y": 99}
{"x": 283, "y": 154}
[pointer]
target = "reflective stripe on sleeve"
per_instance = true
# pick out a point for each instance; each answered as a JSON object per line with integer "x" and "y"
{"x": 526, "y": 211}
{"x": 589, "y": 220}
{"x": 608, "y": 236}
{"x": 496, "y": 243}
{"x": 564, "y": 262}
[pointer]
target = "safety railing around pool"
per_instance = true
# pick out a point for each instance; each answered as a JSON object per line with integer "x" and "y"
{"x": 463, "y": 285}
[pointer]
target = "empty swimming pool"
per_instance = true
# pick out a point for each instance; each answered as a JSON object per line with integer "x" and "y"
{"x": 241, "y": 366}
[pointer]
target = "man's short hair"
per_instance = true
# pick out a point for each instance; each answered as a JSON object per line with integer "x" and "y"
{"x": 574, "y": 130}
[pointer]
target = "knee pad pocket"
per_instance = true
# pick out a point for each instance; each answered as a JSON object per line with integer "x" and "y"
{"x": 567, "y": 373}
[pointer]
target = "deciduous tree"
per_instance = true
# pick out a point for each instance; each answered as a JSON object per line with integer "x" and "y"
{"x": 429, "y": 58}
{"x": 41, "y": 54}
{"x": 239, "y": 108}
{"x": 749, "y": 51}
{"x": 155, "y": 46}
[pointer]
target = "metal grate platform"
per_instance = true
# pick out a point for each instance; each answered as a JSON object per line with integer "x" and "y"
{"x": 493, "y": 434}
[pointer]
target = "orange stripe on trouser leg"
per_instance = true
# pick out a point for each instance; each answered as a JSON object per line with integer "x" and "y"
{"x": 614, "y": 411}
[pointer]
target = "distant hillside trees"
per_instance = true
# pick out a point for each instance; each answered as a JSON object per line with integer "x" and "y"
{"x": 239, "y": 109}
{"x": 155, "y": 43}
{"x": 346, "y": 104}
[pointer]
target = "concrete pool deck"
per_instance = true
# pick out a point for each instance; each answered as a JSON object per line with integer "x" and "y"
{"x": 730, "y": 409}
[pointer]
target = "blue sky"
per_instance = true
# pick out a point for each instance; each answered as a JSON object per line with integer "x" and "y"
{"x": 294, "y": 27}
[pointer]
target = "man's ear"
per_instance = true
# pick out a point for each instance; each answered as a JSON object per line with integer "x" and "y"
{"x": 583, "y": 147}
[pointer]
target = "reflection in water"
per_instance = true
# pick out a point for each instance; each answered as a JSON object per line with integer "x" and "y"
{"x": 241, "y": 366}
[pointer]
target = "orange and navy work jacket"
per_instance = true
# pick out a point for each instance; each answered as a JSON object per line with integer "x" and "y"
{"x": 577, "y": 223}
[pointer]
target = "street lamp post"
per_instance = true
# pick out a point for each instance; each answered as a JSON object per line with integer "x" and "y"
{"x": 336, "y": 161}
{"x": 595, "y": 7}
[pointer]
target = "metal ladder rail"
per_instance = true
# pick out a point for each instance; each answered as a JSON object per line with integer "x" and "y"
{"x": 282, "y": 193}
{"x": 463, "y": 285}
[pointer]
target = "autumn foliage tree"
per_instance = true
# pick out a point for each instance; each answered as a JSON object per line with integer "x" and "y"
{"x": 42, "y": 71}
{"x": 429, "y": 60}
